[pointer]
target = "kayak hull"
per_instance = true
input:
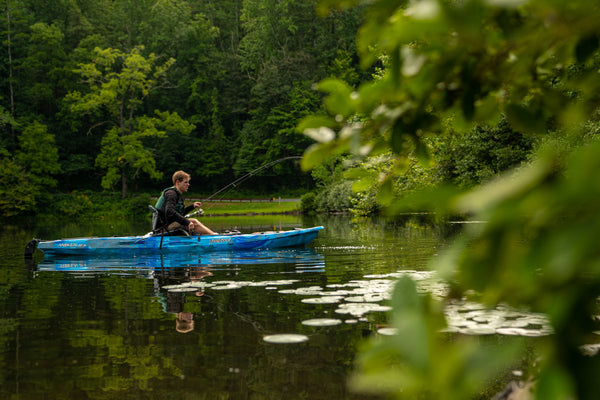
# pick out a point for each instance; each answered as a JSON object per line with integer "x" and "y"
{"x": 164, "y": 243}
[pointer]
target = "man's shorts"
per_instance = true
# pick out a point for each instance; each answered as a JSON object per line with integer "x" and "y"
{"x": 176, "y": 225}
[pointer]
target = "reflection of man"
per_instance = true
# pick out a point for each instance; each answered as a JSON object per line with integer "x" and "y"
{"x": 173, "y": 300}
{"x": 197, "y": 274}
{"x": 184, "y": 322}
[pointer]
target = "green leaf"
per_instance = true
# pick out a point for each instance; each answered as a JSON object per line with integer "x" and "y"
{"x": 315, "y": 122}
{"x": 525, "y": 119}
{"x": 586, "y": 46}
{"x": 554, "y": 384}
{"x": 320, "y": 153}
{"x": 339, "y": 101}
{"x": 363, "y": 179}
{"x": 398, "y": 138}
{"x": 385, "y": 193}
{"x": 408, "y": 317}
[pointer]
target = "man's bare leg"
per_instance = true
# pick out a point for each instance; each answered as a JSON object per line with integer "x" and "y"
{"x": 200, "y": 228}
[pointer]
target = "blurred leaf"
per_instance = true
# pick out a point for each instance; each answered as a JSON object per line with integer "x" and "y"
{"x": 386, "y": 194}
{"x": 339, "y": 96}
{"x": 408, "y": 317}
{"x": 319, "y": 153}
{"x": 505, "y": 187}
{"x": 398, "y": 138}
{"x": 586, "y": 46}
{"x": 363, "y": 184}
{"x": 363, "y": 179}
{"x": 524, "y": 119}
{"x": 554, "y": 384}
{"x": 322, "y": 134}
{"x": 440, "y": 199}
{"x": 315, "y": 122}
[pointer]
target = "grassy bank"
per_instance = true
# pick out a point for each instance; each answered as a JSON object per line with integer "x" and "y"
{"x": 81, "y": 205}
{"x": 242, "y": 207}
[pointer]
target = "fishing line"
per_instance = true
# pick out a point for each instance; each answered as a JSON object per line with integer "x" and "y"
{"x": 225, "y": 189}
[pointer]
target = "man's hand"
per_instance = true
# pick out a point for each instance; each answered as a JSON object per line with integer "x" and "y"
{"x": 197, "y": 204}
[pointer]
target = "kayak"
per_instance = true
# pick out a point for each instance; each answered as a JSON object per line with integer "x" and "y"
{"x": 166, "y": 243}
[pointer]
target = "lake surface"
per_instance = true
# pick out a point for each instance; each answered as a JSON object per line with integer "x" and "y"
{"x": 184, "y": 326}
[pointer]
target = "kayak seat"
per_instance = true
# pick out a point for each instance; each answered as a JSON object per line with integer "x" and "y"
{"x": 158, "y": 222}
{"x": 159, "y": 226}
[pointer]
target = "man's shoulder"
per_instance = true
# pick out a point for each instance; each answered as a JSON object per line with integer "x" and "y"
{"x": 171, "y": 192}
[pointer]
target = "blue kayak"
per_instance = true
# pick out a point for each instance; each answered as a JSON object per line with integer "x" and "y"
{"x": 160, "y": 243}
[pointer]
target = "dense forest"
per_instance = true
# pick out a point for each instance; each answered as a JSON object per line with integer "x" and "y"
{"x": 117, "y": 95}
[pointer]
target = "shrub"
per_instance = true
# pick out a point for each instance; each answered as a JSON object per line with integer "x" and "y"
{"x": 72, "y": 204}
{"x": 482, "y": 153}
{"x": 137, "y": 205}
{"x": 17, "y": 194}
{"x": 307, "y": 203}
{"x": 335, "y": 198}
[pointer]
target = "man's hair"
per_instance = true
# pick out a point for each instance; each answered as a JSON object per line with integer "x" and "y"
{"x": 180, "y": 176}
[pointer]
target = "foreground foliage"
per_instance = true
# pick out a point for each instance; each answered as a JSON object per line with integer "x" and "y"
{"x": 459, "y": 64}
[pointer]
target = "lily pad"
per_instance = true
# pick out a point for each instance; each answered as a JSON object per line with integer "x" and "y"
{"x": 273, "y": 283}
{"x": 168, "y": 287}
{"x": 200, "y": 284}
{"x": 511, "y": 331}
{"x": 387, "y": 331}
{"x": 355, "y": 299}
{"x": 321, "y": 322}
{"x": 322, "y": 300}
{"x": 359, "y": 309}
{"x": 285, "y": 338}
{"x": 183, "y": 289}
{"x": 477, "y": 330}
{"x": 227, "y": 287}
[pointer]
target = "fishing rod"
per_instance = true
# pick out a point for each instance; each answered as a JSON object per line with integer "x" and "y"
{"x": 240, "y": 180}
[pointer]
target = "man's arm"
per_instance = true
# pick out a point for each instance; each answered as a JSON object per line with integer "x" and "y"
{"x": 188, "y": 209}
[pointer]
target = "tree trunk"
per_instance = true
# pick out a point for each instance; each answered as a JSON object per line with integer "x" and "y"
{"x": 123, "y": 185}
{"x": 10, "y": 70}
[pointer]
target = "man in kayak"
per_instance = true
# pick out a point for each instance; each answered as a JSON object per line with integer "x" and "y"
{"x": 171, "y": 206}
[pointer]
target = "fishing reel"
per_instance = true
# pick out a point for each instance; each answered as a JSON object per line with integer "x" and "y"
{"x": 198, "y": 211}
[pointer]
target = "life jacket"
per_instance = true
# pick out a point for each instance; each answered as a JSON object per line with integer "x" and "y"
{"x": 179, "y": 207}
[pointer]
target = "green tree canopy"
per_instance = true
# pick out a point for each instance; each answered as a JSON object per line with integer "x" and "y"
{"x": 29, "y": 173}
{"x": 119, "y": 83}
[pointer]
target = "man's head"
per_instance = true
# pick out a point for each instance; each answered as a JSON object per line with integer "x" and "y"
{"x": 179, "y": 176}
{"x": 181, "y": 180}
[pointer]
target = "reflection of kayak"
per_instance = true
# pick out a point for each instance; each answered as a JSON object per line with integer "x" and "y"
{"x": 151, "y": 263}
{"x": 162, "y": 243}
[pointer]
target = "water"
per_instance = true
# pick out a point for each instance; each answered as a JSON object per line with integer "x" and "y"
{"x": 188, "y": 326}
